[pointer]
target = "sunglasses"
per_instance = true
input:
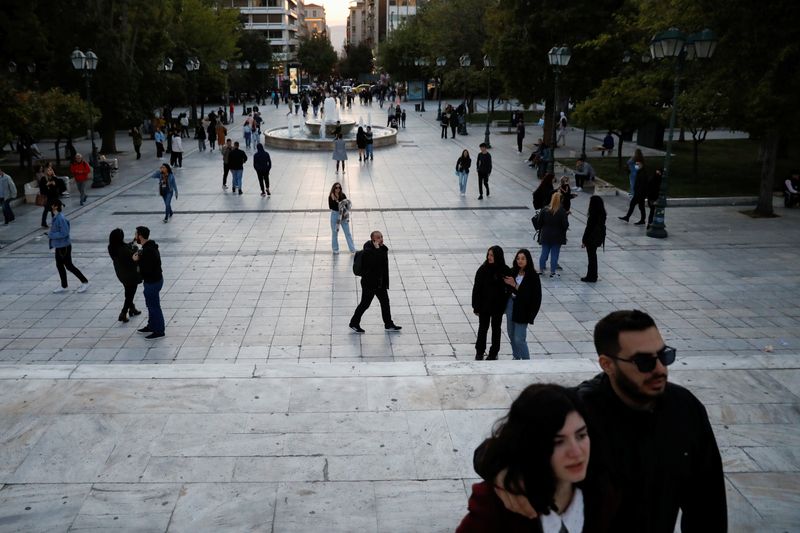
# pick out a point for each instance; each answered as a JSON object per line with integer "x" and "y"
{"x": 645, "y": 362}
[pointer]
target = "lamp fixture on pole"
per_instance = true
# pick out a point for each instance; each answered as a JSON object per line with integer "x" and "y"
{"x": 488, "y": 65}
{"x": 441, "y": 62}
{"x": 558, "y": 57}
{"x": 86, "y": 64}
{"x": 465, "y": 62}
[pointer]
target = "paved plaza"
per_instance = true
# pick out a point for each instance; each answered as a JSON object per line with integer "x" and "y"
{"x": 261, "y": 411}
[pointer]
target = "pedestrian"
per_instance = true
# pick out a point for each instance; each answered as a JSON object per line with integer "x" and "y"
{"x": 8, "y": 191}
{"x": 638, "y": 415}
{"x": 80, "y": 171}
{"x": 520, "y": 133}
{"x": 121, "y": 254}
{"x": 61, "y": 243}
{"x": 635, "y": 162}
{"x": 148, "y": 258}
{"x": 200, "y": 135}
{"x": 553, "y": 234}
{"x": 159, "y": 139}
{"x": 49, "y": 193}
{"x": 639, "y": 195}
{"x": 462, "y": 171}
{"x": 489, "y": 298}
{"x": 653, "y": 192}
{"x": 403, "y": 118}
{"x": 607, "y": 146}
{"x": 136, "y": 136}
{"x": 221, "y": 132}
{"x": 339, "y": 152}
{"x": 542, "y": 194}
{"x": 262, "y": 165}
{"x": 374, "y": 283}
{"x": 211, "y": 134}
{"x": 524, "y": 303}
{"x": 583, "y": 172}
{"x": 236, "y": 161}
{"x": 176, "y": 155}
{"x": 340, "y": 216}
{"x": 484, "y": 168}
{"x": 361, "y": 143}
{"x": 390, "y": 116}
{"x": 167, "y": 188}
{"x": 453, "y": 120}
{"x": 184, "y": 121}
{"x": 544, "y": 442}
{"x": 443, "y": 123}
{"x": 594, "y": 236}
{"x": 566, "y": 194}
{"x": 562, "y": 129}
{"x": 369, "y": 144}
{"x": 248, "y": 132}
{"x": 225, "y": 150}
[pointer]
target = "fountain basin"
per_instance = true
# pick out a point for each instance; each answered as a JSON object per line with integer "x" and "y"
{"x": 314, "y": 125}
{"x": 301, "y": 139}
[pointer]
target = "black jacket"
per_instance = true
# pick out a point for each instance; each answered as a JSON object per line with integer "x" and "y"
{"x": 661, "y": 460}
{"x": 541, "y": 196}
{"x": 595, "y": 233}
{"x": 640, "y": 185}
{"x": 463, "y": 164}
{"x": 528, "y": 299}
{"x": 484, "y": 164}
{"x": 490, "y": 292}
{"x": 124, "y": 266}
{"x": 236, "y": 159}
{"x": 150, "y": 263}
{"x": 375, "y": 267}
{"x": 261, "y": 160}
{"x": 653, "y": 187}
{"x": 361, "y": 139}
{"x": 554, "y": 227}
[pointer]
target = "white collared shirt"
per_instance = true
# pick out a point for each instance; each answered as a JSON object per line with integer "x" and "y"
{"x": 572, "y": 518}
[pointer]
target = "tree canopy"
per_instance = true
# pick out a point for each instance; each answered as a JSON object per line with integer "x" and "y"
{"x": 317, "y": 56}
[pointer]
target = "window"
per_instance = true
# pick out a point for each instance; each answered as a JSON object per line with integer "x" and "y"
{"x": 274, "y": 34}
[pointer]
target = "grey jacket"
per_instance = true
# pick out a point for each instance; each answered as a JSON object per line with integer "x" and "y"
{"x": 339, "y": 150}
{"x": 8, "y": 190}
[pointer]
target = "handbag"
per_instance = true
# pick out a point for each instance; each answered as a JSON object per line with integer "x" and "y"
{"x": 41, "y": 199}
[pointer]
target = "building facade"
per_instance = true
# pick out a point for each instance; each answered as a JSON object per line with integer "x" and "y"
{"x": 314, "y": 21}
{"x": 281, "y": 21}
{"x": 372, "y": 21}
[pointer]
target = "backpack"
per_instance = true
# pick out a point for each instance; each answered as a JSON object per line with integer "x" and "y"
{"x": 358, "y": 263}
{"x": 536, "y": 220}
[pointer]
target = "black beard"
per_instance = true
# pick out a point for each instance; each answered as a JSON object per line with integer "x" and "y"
{"x": 632, "y": 390}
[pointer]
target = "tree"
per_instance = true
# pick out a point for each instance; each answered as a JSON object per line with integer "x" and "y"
{"x": 317, "y": 57}
{"x": 357, "y": 60}
{"x": 701, "y": 108}
{"x": 65, "y": 116}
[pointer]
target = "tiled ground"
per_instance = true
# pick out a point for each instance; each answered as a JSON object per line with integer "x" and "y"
{"x": 275, "y": 417}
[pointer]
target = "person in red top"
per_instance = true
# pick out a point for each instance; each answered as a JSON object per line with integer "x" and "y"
{"x": 80, "y": 171}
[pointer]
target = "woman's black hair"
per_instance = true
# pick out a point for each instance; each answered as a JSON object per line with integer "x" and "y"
{"x": 596, "y": 207}
{"x": 546, "y": 180}
{"x": 529, "y": 269}
{"x": 169, "y": 168}
{"x": 465, "y": 151}
{"x": 499, "y": 258}
{"x": 523, "y": 442}
{"x": 115, "y": 239}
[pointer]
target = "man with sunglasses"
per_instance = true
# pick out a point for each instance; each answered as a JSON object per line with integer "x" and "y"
{"x": 654, "y": 435}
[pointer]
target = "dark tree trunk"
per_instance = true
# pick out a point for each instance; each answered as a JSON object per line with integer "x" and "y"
{"x": 108, "y": 134}
{"x": 769, "y": 145}
{"x": 58, "y": 153}
{"x": 682, "y": 135}
{"x": 696, "y": 143}
{"x": 619, "y": 150}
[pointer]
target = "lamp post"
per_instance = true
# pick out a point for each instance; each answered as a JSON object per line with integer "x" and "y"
{"x": 193, "y": 65}
{"x": 675, "y": 44}
{"x": 558, "y": 57}
{"x": 422, "y": 62}
{"x": 441, "y": 61}
{"x": 223, "y": 66}
{"x": 488, "y": 65}
{"x": 243, "y": 65}
{"x": 86, "y": 64}
{"x": 465, "y": 61}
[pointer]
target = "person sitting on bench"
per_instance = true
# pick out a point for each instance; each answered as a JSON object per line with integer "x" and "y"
{"x": 607, "y": 146}
{"x": 791, "y": 189}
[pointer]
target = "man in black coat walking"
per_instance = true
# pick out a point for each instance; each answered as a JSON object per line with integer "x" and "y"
{"x": 374, "y": 282}
{"x": 484, "y": 168}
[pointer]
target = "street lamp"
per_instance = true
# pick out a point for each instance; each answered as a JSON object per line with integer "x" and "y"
{"x": 193, "y": 65}
{"x": 441, "y": 61}
{"x": 86, "y": 64}
{"x": 488, "y": 65}
{"x": 558, "y": 57}
{"x": 675, "y": 44}
{"x": 465, "y": 61}
{"x": 243, "y": 65}
{"x": 423, "y": 62}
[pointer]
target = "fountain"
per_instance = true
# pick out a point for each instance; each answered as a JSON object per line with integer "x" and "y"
{"x": 318, "y": 133}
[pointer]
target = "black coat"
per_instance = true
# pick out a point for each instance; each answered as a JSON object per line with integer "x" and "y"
{"x": 640, "y": 185}
{"x": 463, "y": 164}
{"x": 375, "y": 267}
{"x": 554, "y": 227}
{"x": 361, "y": 139}
{"x": 528, "y": 299}
{"x": 594, "y": 235}
{"x": 150, "y": 263}
{"x": 490, "y": 292}
{"x": 484, "y": 164}
{"x": 653, "y": 187}
{"x": 541, "y": 196}
{"x": 236, "y": 159}
{"x": 124, "y": 266}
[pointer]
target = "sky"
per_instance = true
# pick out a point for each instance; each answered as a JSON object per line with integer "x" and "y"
{"x": 336, "y": 12}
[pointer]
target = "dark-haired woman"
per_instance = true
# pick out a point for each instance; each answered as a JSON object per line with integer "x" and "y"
{"x": 340, "y": 208}
{"x": 545, "y": 443}
{"x": 489, "y": 297}
{"x": 361, "y": 143}
{"x": 121, "y": 254}
{"x": 594, "y": 235}
{"x": 524, "y": 304}
{"x": 462, "y": 171}
{"x": 167, "y": 188}
{"x": 542, "y": 194}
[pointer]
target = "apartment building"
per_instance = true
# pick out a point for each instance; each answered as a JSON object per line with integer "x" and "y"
{"x": 372, "y": 21}
{"x": 314, "y": 20}
{"x": 280, "y": 20}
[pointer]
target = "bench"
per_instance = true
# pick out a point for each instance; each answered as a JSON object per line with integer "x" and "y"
{"x": 503, "y": 124}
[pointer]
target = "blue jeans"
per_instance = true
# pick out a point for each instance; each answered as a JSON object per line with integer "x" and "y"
{"x": 552, "y": 250}
{"x": 167, "y": 205}
{"x": 517, "y": 333}
{"x": 247, "y": 139}
{"x": 8, "y": 214}
{"x": 335, "y": 232}
{"x": 462, "y": 181}
{"x": 155, "y": 318}
{"x": 369, "y": 150}
{"x": 237, "y": 178}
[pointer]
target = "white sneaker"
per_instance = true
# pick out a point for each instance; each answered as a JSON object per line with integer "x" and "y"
{"x": 83, "y": 287}
{"x": 59, "y": 290}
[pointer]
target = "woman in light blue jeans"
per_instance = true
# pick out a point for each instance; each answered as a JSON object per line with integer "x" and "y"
{"x": 524, "y": 304}
{"x": 462, "y": 171}
{"x": 340, "y": 216}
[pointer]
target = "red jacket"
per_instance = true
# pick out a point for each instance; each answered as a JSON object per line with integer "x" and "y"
{"x": 488, "y": 514}
{"x": 80, "y": 171}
